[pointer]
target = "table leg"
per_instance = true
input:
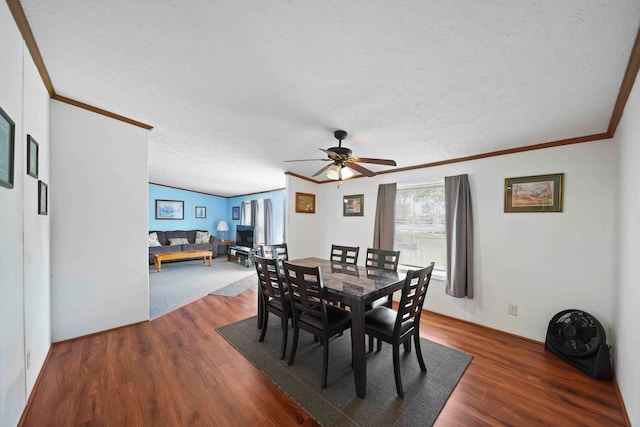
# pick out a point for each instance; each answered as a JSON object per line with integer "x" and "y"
{"x": 158, "y": 264}
{"x": 357, "y": 348}
{"x": 210, "y": 256}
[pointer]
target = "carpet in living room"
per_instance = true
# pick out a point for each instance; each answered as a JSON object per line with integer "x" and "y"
{"x": 180, "y": 283}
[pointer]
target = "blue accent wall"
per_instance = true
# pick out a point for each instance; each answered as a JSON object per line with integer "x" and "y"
{"x": 216, "y": 210}
{"x": 277, "y": 204}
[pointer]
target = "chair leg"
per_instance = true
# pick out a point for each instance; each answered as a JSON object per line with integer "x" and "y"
{"x": 370, "y": 343}
{"x": 416, "y": 339}
{"x": 260, "y": 316}
{"x": 407, "y": 346}
{"x": 325, "y": 361}
{"x": 294, "y": 345}
{"x": 285, "y": 329}
{"x": 379, "y": 345}
{"x": 396, "y": 369}
{"x": 265, "y": 322}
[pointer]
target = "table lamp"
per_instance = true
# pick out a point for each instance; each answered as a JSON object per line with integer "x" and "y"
{"x": 222, "y": 227}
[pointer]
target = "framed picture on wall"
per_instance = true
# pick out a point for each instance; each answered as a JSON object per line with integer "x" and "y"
{"x": 7, "y": 135}
{"x": 169, "y": 209}
{"x": 353, "y": 205}
{"x": 305, "y": 203}
{"x": 201, "y": 211}
{"x": 43, "y": 198}
{"x": 235, "y": 213}
{"x": 32, "y": 157}
{"x": 538, "y": 193}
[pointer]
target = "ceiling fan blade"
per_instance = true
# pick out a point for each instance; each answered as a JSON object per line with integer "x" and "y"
{"x": 322, "y": 170}
{"x": 331, "y": 154}
{"x": 375, "y": 161}
{"x": 364, "y": 171}
{"x": 308, "y": 160}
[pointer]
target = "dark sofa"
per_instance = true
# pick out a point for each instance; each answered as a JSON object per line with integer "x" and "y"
{"x": 190, "y": 235}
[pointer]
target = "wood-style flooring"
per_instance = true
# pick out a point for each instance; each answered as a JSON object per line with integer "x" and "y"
{"x": 177, "y": 371}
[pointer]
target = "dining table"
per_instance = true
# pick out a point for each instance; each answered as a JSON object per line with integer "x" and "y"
{"x": 355, "y": 286}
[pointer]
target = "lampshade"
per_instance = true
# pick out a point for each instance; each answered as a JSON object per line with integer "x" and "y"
{"x": 222, "y": 226}
{"x": 335, "y": 171}
{"x": 346, "y": 173}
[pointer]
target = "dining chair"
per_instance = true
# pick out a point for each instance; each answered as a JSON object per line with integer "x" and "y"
{"x": 344, "y": 254}
{"x": 274, "y": 296}
{"x": 278, "y": 252}
{"x": 397, "y": 327}
{"x": 311, "y": 312}
{"x": 380, "y": 259}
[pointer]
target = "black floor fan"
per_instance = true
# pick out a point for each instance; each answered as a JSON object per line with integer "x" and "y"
{"x": 579, "y": 339}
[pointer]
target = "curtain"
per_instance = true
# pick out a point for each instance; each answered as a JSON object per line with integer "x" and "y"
{"x": 268, "y": 232}
{"x": 384, "y": 226}
{"x": 245, "y": 213}
{"x": 459, "y": 230}
{"x": 254, "y": 215}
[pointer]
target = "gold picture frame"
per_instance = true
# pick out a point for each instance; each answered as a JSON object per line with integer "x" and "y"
{"x": 305, "y": 203}
{"x": 537, "y": 193}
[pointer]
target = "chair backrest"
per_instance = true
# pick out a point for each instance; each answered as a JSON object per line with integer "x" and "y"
{"x": 305, "y": 289}
{"x": 278, "y": 252}
{"x": 382, "y": 259}
{"x": 344, "y": 254}
{"x": 414, "y": 291}
{"x": 270, "y": 282}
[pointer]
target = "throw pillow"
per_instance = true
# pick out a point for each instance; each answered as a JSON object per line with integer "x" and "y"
{"x": 178, "y": 241}
{"x": 202, "y": 236}
{"x": 153, "y": 240}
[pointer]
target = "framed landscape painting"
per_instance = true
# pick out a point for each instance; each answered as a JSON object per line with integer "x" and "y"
{"x": 353, "y": 205}
{"x": 305, "y": 203}
{"x": 538, "y": 193}
{"x": 7, "y": 135}
{"x": 169, "y": 209}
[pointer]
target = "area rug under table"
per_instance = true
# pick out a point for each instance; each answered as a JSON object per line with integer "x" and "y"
{"x": 338, "y": 405}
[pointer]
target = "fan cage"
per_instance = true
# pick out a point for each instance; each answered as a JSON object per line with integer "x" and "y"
{"x": 575, "y": 333}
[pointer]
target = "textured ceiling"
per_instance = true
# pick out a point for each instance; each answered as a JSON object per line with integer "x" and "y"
{"x": 232, "y": 88}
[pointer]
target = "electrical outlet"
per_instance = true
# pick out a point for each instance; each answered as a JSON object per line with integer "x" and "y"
{"x": 28, "y": 359}
{"x": 513, "y": 309}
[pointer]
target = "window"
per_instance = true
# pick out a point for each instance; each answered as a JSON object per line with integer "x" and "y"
{"x": 420, "y": 225}
{"x": 259, "y": 220}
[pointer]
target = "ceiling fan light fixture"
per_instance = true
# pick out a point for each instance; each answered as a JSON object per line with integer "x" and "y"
{"x": 334, "y": 172}
{"x": 346, "y": 173}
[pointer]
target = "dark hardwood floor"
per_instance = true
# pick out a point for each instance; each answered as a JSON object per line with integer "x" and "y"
{"x": 177, "y": 371}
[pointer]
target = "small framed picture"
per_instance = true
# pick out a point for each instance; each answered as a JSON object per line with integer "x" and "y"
{"x": 7, "y": 143}
{"x": 32, "y": 157}
{"x": 201, "y": 211}
{"x": 353, "y": 205}
{"x": 235, "y": 213}
{"x": 305, "y": 203}
{"x": 169, "y": 209}
{"x": 539, "y": 193}
{"x": 43, "y": 198}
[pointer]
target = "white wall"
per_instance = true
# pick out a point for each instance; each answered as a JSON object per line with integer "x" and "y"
{"x": 12, "y": 367}
{"x": 25, "y": 323}
{"x": 37, "y": 266}
{"x": 627, "y": 290}
{"x": 542, "y": 262}
{"x": 98, "y": 193}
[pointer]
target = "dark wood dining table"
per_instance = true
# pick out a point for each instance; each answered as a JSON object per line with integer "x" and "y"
{"x": 355, "y": 286}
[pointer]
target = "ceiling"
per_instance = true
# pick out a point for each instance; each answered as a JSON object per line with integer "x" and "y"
{"x": 234, "y": 88}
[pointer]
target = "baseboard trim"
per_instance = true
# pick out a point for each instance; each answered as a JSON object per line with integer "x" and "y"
{"x": 100, "y": 332}
{"x": 35, "y": 387}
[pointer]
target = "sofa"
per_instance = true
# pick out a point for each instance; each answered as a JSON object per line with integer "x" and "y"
{"x": 164, "y": 240}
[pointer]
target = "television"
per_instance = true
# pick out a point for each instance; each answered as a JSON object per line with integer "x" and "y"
{"x": 244, "y": 236}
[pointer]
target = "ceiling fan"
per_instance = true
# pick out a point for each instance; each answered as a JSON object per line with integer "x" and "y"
{"x": 343, "y": 164}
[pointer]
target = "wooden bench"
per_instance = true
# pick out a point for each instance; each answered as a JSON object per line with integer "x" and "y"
{"x": 168, "y": 256}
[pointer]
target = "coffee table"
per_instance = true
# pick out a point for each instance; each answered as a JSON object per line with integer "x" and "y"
{"x": 168, "y": 256}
